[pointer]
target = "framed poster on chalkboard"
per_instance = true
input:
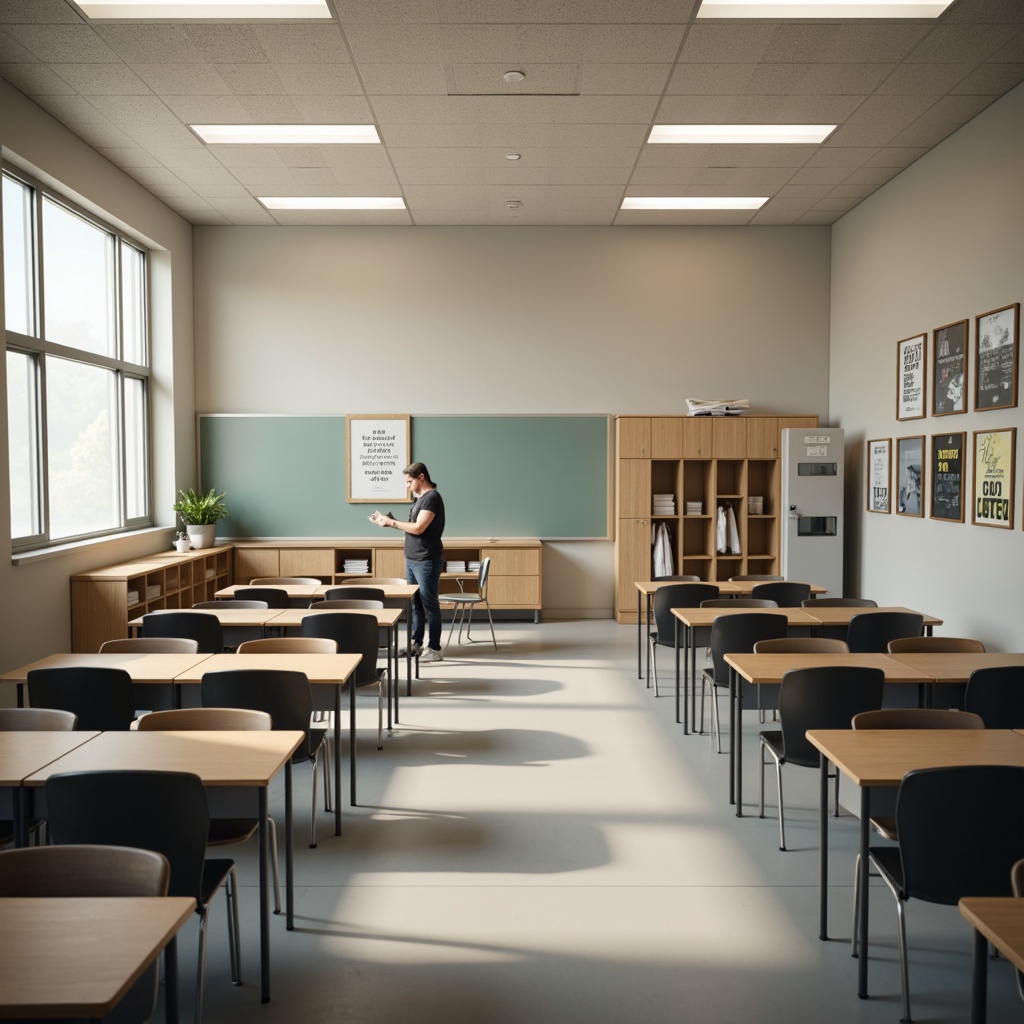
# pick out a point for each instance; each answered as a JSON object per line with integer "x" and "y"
{"x": 910, "y": 476}
{"x": 378, "y": 451}
{"x": 949, "y": 369}
{"x": 879, "y": 474}
{"x": 993, "y": 478}
{"x": 996, "y": 346}
{"x": 948, "y": 477}
{"x": 911, "y": 374}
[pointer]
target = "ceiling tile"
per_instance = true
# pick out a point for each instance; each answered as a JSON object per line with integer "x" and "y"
{"x": 12, "y": 52}
{"x": 251, "y": 79}
{"x": 571, "y": 11}
{"x": 531, "y": 110}
{"x": 657, "y": 218}
{"x": 355, "y": 218}
{"x": 755, "y": 109}
{"x": 752, "y": 180}
{"x": 820, "y": 175}
{"x": 128, "y": 157}
{"x": 873, "y": 176}
{"x": 925, "y": 79}
{"x": 39, "y": 12}
{"x": 992, "y": 11}
{"x": 182, "y": 79}
{"x": 396, "y": 43}
{"x": 102, "y": 79}
{"x": 778, "y": 79}
{"x": 963, "y": 43}
{"x": 35, "y": 79}
{"x": 149, "y": 43}
{"x": 735, "y": 155}
{"x": 332, "y": 109}
{"x": 514, "y": 176}
{"x": 896, "y": 156}
{"x": 64, "y": 44}
{"x": 72, "y": 109}
{"x": 227, "y": 43}
{"x": 124, "y": 110}
{"x": 404, "y": 79}
{"x": 270, "y": 109}
{"x": 1013, "y": 51}
{"x": 319, "y": 79}
{"x": 207, "y": 109}
{"x": 489, "y": 157}
{"x": 321, "y": 43}
{"x": 386, "y": 12}
{"x": 161, "y": 136}
{"x": 991, "y": 80}
{"x": 540, "y": 78}
{"x": 941, "y": 120}
{"x": 844, "y": 42}
{"x": 841, "y": 157}
{"x": 624, "y": 79}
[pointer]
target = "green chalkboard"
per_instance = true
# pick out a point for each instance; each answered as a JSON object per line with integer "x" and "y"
{"x": 500, "y": 476}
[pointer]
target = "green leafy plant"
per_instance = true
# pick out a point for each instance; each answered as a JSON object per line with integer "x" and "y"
{"x": 200, "y": 509}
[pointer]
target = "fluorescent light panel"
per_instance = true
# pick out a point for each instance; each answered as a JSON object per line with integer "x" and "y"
{"x": 694, "y": 202}
{"x": 332, "y": 202}
{"x": 822, "y": 8}
{"x": 285, "y": 134}
{"x": 240, "y": 10}
{"x": 730, "y": 134}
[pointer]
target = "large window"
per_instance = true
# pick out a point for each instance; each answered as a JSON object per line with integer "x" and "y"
{"x": 78, "y": 379}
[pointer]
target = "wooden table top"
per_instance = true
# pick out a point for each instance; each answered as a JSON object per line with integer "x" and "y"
{"x": 881, "y": 757}
{"x": 956, "y": 667}
{"x": 218, "y": 757}
{"x": 297, "y": 590}
{"x": 840, "y": 616}
{"x": 770, "y": 668}
{"x": 707, "y": 616}
{"x": 23, "y": 753}
{"x": 143, "y": 668}
{"x": 739, "y": 588}
{"x": 227, "y": 616}
{"x": 292, "y": 617}
{"x": 319, "y": 668}
{"x": 1001, "y": 920}
{"x": 78, "y": 957}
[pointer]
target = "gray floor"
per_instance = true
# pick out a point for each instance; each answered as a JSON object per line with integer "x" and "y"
{"x": 539, "y": 842}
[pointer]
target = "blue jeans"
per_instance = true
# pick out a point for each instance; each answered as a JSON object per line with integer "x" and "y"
{"x": 427, "y": 575}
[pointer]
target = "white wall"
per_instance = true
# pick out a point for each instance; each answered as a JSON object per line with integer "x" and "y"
{"x": 35, "y": 596}
{"x": 939, "y": 243}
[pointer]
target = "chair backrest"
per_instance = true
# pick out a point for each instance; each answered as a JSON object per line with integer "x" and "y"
{"x": 75, "y": 871}
{"x": 677, "y": 579}
{"x": 205, "y": 720}
{"x": 481, "y": 577}
{"x": 370, "y": 581}
{"x": 37, "y": 720}
{"x": 935, "y": 645}
{"x": 353, "y": 633}
{"x": 839, "y": 602}
{"x": 161, "y": 811}
{"x": 824, "y": 698}
{"x": 917, "y": 718}
{"x": 871, "y": 632}
{"x": 785, "y": 593}
{"x": 273, "y": 596}
{"x": 102, "y": 698}
{"x": 997, "y": 694}
{"x": 202, "y": 627}
{"x": 244, "y": 604}
{"x": 754, "y": 576}
{"x": 678, "y": 595}
{"x": 354, "y": 594}
{"x": 358, "y": 602}
{"x": 961, "y": 830}
{"x": 289, "y": 645}
{"x": 801, "y": 645}
{"x": 299, "y": 581}
{"x": 737, "y": 634}
{"x": 150, "y": 645}
{"x": 738, "y": 602}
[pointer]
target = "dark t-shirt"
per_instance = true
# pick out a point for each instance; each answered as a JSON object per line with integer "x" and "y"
{"x": 427, "y": 545}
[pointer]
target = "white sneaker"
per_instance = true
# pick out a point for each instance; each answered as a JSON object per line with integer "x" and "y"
{"x": 429, "y": 654}
{"x": 415, "y": 650}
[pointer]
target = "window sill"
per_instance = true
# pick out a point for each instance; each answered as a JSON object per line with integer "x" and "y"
{"x": 56, "y": 550}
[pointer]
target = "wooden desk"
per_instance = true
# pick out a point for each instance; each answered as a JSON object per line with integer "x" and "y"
{"x": 956, "y": 667}
{"x": 219, "y": 758}
{"x": 881, "y": 757}
{"x": 999, "y": 920}
{"x": 840, "y": 616}
{"x": 321, "y": 670}
{"x": 226, "y": 617}
{"x": 24, "y": 753}
{"x": 79, "y": 957}
{"x": 768, "y": 670}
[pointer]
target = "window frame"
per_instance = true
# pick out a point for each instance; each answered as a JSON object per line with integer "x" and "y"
{"x": 39, "y": 350}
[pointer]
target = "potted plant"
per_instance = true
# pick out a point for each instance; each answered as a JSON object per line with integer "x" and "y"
{"x": 200, "y": 514}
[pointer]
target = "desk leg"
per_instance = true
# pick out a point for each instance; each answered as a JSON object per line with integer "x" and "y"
{"x": 823, "y": 850}
{"x": 337, "y": 754}
{"x": 351, "y": 748}
{"x": 736, "y": 732}
{"x": 647, "y": 625}
{"x": 639, "y": 637}
{"x": 676, "y": 644}
{"x": 264, "y": 899}
{"x": 171, "y": 981}
{"x": 289, "y": 860}
{"x": 862, "y": 895}
{"x": 979, "y": 979}
{"x": 20, "y": 800}
{"x": 408, "y": 655}
{"x": 21, "y": 695}
{"x": 691, "y": 643}
{"x": 392, "y": 669}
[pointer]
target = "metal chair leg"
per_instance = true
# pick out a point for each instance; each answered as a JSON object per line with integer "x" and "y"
{"x": 201, "y": 967}
{"x": 312, "y": 822}
{"x": 234, "y": 931}
{"x": 782, "y": 815}
{"x": 272, "y": 838}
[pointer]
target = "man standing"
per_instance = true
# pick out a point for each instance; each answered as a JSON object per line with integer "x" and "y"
{"x": 424, "y": 557}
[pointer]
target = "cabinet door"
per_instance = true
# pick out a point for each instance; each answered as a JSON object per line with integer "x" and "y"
{"x": 634, "y": 560}
{"x": 250, "y": 562}
{"x": 389, "y": 562}
{"x": 513, "y": 561}
{"x": 634, "y": 488}
{"x": 634, "y": 437}
{"x": 697, "y": 437}
{"x": 763, "y": 437}
{"x": 729, "y": 436}
{"x": 514, "y": 591}
{"x": 666, "y": 437}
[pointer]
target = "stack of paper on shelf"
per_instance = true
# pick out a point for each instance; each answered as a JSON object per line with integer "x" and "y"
{"x": 663, "y": 505}
{"x": 356, "y": 565}
{"x": 455, "y": 567}
{"x": 717, "y": 406}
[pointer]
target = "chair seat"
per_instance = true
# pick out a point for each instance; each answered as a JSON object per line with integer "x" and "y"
{"x": 772, "y": 739}
{"x": 215, "y": 872}
{"x": 231, "y": 830}
{"x": 890, "y": 866}
{"x": 462, "y": 598}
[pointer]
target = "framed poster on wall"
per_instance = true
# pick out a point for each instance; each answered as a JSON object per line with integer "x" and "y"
{"x": 378, "y": 450}
{"x": 949, "y": 369}
{"x": 993, "y": 478}
{"x": 910, "y": 476}
{"x": 911, "y": 374}
{"x": 996, "y": 346}
{"x": 948, "y": 477}
{"x": 879, "y": 474}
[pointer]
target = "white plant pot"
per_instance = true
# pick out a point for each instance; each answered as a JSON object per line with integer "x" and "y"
{"x": 201, "y": 536}
{"x": 182, "y": 546}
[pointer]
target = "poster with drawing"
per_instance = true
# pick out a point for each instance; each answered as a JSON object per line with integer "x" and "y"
{"x": 910, "y": 476}
{"x": 879, "y": 474}
{"x": 993, "y": 478}
{"x": 911, "y": 373}
{"x": 949, "y": 369}
{"x": 995, "y": 358}
{"x": 948, "y": 477}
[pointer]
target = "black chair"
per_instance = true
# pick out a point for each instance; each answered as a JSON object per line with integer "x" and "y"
{"x": 677, "y": 579}
{"x": 354, "y": 593}
{"x": 997, "y": 695}
{"x": 73, "y": 872}
{"x": 675, "y": 595}
{"x": 754, "y": 576}
{"x": 202, "y": 627}
{"x": 273, "y": 596}
{"x": 735, "y": 634}
{"x": 162, "y": 811}
{"x": 785, "y": 593}
{"x": 102, "y": 698}
{"x": 287, "y": 698}
{"x": 232, "y": 636}
{"x": 870, "y": 632}
{"x": 961, "y": 831}
{"x": 815, "y": 698}
{"x": 1017, "y": 884}
{"x": 839, "y": 602}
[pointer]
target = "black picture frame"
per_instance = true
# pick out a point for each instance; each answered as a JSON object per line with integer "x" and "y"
{"x": 996, "y": 358}
{"x": 949, "y": 460}
{"x": 949, "y": 369}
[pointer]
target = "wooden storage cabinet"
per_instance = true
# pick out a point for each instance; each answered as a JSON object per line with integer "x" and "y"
{"x": 102, "y": 601}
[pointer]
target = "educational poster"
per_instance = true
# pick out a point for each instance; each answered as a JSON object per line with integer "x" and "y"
{"x": 911, "y": 373}
{"x": 949, "y": 362}
{"x": 879, "y": 474}
{"x": 993, "y": 478}
{"x": 996, "y": 347}
{"x": 948, "y": 477}
{"x": 378, "y": 451}
{"x": 910, "y": 476}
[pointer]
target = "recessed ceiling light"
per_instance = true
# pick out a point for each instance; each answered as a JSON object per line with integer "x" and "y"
{"x": 822, "y": 8}
{"x": 285, "y": 134}
{"x": 513, "y": 156}
{"x": 694, "y": 202}
{"x": 332, "y": 202}
{"x": 715, "y": 134}
{"x": 513, "y": 76}
{"x": 199, "y": 10}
